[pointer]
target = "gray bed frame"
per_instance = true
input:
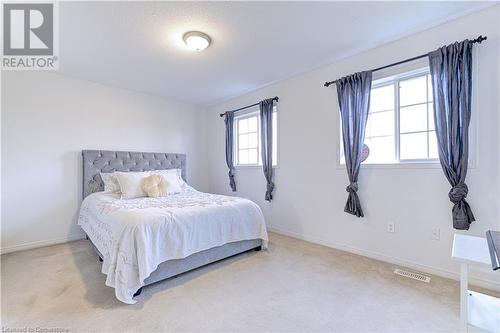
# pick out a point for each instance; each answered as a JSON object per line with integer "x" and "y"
{"x": 96, "y": 161}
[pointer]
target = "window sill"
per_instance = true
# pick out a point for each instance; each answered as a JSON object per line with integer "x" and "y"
{"x": 408, "y": 165}
{"x": 244, "y": 167}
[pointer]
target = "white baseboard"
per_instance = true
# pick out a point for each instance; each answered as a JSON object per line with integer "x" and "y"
{"x": 33, "y": 245}
{"x": 480, "y": 282}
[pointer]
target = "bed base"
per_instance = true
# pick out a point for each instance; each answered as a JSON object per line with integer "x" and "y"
{"x": 175, "y": 267}
{"x": 139, "y": 291}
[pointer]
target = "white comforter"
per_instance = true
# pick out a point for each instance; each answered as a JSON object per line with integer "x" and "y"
{"x": 136, "y": 235}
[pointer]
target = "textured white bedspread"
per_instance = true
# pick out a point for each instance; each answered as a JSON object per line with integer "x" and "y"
{"x": 136, "y": 235}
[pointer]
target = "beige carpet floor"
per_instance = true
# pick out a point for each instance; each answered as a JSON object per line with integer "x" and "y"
{"x": 295, "y": 286}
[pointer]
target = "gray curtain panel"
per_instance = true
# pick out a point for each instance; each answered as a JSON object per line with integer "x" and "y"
{"x": 266, "y": 137}
{"x": 354, "y": 100}
{"x": 451, "y": 70}
{"x": 229, "y": 121}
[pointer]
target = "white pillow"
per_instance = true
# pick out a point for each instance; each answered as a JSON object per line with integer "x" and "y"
{"x": 131, "y": 184}
{"x": 110, "y": 181}
{"x": 174, "y": 179}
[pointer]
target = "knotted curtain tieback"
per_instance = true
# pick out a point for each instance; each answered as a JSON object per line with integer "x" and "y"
{"x": 458, "y": 192}
{"x": 352, "y": 187}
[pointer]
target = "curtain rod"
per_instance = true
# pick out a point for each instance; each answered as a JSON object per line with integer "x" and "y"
{"x": 275, "y": 98}
{"x": 477, "y": 40}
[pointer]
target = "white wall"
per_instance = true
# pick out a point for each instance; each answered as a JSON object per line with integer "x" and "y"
{"x": 310, "y": 189}
{"x": 47, "y": 119}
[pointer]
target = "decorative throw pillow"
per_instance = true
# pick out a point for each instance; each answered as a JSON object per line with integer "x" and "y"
{"x": 131, "y": 184}
{"x": 155, "y": 186}
{"x": 110, "y": 181}
{"x": 173, "y": 176}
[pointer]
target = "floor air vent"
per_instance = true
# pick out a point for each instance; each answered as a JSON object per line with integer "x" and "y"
{"x": 412, "y": 275}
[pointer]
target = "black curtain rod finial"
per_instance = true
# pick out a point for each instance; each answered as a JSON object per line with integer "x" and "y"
{"x": 479, "y": 39}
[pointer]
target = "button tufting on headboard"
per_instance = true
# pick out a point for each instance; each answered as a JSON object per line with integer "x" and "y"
{"x": 97, "y": 161}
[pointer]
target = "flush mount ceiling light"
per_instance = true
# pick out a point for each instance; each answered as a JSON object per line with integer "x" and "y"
{"x": 196, "y": 40}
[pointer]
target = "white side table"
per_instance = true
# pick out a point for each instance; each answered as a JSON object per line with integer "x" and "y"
{"x": 476, "y": 309}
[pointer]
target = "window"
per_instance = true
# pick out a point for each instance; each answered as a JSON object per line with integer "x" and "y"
{"x": 247, "y": 142}
{"x": 400, "y": 125}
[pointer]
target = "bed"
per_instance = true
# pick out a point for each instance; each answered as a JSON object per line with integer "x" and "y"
{"x": 145, "y": 240}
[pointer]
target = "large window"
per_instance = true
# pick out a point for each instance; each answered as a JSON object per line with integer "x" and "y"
{"x": 247, "y": 142}
{"x": 400, "y": 126}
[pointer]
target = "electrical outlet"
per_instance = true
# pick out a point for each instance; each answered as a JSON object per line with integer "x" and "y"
{"x": 390, "y": 226}
{"x": 435, "y": 234}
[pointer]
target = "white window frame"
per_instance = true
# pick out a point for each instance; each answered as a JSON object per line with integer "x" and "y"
{"x": 396, "y": 79}
{"x": 405, "y": 163}
{"x": 251, "y": 112}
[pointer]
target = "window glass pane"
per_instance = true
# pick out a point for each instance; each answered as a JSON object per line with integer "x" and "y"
{"x": 382, "y": 98}
{"x": 248, "y": 140}
{"x": 413, "y": 91}
{"x": 243, "y": 156}
{"x": 430, "y": 109}
{"x": 252, "y": 156}
{"x": 243, "y": 141}
{"x": 433, "y": 148}
{"x": 342, "y": 157}
{"x": 413, "y": 146}
{"x": 380, "y": 123}
{"x": 275, "y": 138}
{"x": 253, "y": 141}
{"x": 242, "y": 125}
{"x": 429, "y": 87}
{"x": 413, "y": 118}
{"x": 415, "y": 113}
{"x": 252, "y": 124}
{"x": 381, "y": 149}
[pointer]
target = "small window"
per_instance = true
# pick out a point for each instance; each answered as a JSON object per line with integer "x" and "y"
{"x": 400, "y": 125}
{"x": 247, "y": 143}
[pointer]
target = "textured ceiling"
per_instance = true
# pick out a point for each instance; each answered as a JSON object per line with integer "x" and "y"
{"x": 138, "y": 45}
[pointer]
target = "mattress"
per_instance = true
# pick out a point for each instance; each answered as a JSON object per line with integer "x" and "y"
{"x": 136, "y": 235}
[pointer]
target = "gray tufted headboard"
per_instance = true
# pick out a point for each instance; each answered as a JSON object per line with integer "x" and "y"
{"x": 96, "y": 161}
